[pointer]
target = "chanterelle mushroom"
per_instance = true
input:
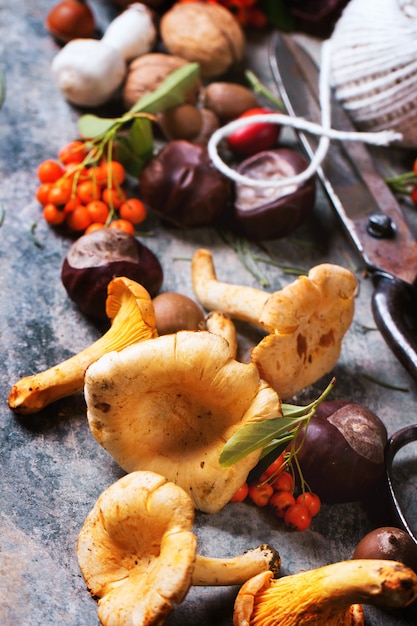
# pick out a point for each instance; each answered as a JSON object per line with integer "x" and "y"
{"x": 221, "y": 324}
{"x": 326, "y": 596}
{"x": 129, "y": 308}
{"x": 137, "y": 552}
{"x": 170, "y": 404}
{"x": 305, "y": 321}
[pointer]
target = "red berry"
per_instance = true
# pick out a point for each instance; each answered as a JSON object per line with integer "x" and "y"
{"x": 311, "y": 501}
{"x": 284, "y": 482}
{"x": 297, "y": 517}
{"x": 281, "y": 501}
{"x": 241, "y": 494}
{"x": 260, "y": 493}
{"x": 276, "y": 467}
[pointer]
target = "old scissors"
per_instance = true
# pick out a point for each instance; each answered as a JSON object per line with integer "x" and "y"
{"x": 368, "y": 210}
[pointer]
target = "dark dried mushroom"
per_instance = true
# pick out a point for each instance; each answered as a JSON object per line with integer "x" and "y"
{"x": 268, "y": 212}
{"x": 183, "y": 187}
{"x": 96, "y": 258}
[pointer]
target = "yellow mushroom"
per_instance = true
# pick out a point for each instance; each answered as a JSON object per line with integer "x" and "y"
{"x": 129, "y": 308}
{"x": 306, "y": 321}
{"x": 221, "y": 324}
{"x": 138, "y": 554}
{"x": 169, "y": 405}
{"x": 329, "y": 595}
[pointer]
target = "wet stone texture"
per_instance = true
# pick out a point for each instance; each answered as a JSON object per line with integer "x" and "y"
{"x": 52, "y": 471}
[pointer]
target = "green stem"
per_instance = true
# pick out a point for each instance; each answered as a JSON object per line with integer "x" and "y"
{"x": 287, "y": 269}
{"x": 260, "y": 89}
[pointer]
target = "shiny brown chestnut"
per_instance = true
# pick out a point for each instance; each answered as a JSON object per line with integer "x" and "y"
{"x": 183, "y": 187}
{"x": 96, "y": 258}
{"x": 388, "y": 542}
{"x": 266, "y": 213}
{"x": 342, "y": 455}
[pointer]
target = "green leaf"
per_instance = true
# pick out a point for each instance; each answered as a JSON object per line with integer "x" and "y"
{"x": 270, "y": 433}
{"x": 141, "y": 137}
{"x": 135, "y": 148}
{"x": 277, "y": 445}
{"x": 252, "y": 437}
{"x": 132, "y": 162}
{"x": 92, "y": 126}
{"x": 171, "y": 92}
{"x": 278, "y": 14}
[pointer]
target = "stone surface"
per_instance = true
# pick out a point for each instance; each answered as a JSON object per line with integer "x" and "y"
{"x": 52, "y": 470}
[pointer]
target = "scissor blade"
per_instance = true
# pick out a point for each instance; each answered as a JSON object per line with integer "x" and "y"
{"x": 348, "y": 174}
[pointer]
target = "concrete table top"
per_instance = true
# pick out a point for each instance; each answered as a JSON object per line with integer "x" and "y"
{"x": 51, "y": 469}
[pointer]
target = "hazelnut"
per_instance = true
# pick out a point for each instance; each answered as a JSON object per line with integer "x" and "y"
{"x": 204, "y": 33}
{"x": 228, "y": 100}
{"x": 181, "y": 122}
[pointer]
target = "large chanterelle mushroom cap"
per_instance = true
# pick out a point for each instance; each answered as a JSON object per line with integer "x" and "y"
{"x": 309, "y": 318}
{"x": 169, "y": 405}
{"x": 138, "y": 554}
{"x": 136, "y": 549}
{"x": 306, "y": 321}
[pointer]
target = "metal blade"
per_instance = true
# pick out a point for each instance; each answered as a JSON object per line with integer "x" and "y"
{"x": 348, "y": 175}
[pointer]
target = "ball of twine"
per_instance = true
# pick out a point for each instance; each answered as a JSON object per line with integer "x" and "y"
{"x": 374, "y": 65}
{"x": 324, "y": 130}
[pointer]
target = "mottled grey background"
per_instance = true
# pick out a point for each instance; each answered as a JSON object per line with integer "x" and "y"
{"x": 51, "y": 469}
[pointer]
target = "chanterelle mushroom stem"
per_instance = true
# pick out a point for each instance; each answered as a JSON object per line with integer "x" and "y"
{"x": 221, "y": 324}
{"x": 327, "y": 595}
{"x": 245, "y": 303}
{"x": 236, "y": 570}
{"x": 129, "y": 307}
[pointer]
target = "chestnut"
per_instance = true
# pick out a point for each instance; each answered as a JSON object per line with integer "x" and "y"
{"x": 342, "y": 455}
{"x": 266, "y": 213}
{"x": 388, "y": 542}
{"x": 176, "y": 311}
{"x": 96, "y": 258}
{"x": 183, "y": 187}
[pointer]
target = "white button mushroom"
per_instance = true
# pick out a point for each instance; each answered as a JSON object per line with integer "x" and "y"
{"x": 88, "y": 71}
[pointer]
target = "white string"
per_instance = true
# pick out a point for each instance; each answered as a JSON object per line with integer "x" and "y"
{"x": 324, "y": 130}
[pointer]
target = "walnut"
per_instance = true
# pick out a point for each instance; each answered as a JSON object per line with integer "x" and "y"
{"x": 147, "y": 72}
{"x": 205, "y": 33}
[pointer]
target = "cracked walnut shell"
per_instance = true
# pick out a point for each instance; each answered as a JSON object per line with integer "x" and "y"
{"x": 207, "y": 34}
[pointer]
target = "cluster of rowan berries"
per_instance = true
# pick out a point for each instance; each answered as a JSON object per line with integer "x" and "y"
{"x": 85, "y": 193}
{"x": 275, "y": 489}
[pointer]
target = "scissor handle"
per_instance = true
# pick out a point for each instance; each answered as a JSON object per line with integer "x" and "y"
{"x": 394, "y": 305}
{"x": 397, "y": 441}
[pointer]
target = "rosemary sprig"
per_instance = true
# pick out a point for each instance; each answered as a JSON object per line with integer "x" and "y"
{"x": 287, "y": 269}
{"x": 36, "y": 241}
{"x": 384, "y": 384}
{"x": 243, "y": 251}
